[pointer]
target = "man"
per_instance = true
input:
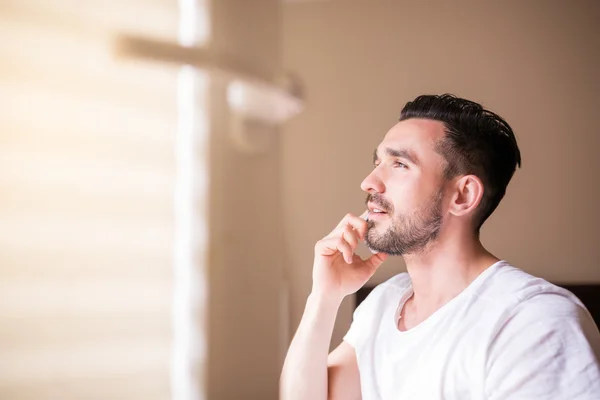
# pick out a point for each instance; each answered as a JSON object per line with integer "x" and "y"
{"x": 461, "y": 324}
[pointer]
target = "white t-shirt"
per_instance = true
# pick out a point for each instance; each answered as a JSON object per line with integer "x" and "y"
{"x": 508, "y": 335}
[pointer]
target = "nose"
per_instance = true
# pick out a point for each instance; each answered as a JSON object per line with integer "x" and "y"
{"x": 373, "y": 183}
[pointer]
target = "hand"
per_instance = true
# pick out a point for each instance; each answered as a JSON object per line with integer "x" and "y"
{"x": 337, "y": 271}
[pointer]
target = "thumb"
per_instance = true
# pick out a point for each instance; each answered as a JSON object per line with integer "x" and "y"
{"x": 375, "y": 261}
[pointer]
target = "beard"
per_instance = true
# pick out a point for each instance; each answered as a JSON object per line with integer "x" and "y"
{"x": 408, "y": 233}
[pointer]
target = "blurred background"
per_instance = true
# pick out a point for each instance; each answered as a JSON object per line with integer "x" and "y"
{"x": 167, "y": 166}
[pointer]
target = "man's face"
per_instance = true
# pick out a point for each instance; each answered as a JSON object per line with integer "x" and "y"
{"x": 407, "y": 186}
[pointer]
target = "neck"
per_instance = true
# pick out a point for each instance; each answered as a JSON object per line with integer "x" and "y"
{"x": 444, "y": 270}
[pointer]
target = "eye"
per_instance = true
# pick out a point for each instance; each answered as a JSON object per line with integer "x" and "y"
{"x": 398, "y": 164}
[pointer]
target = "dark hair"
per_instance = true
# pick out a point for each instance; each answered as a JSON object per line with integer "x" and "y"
{"x": 477, "y": 142}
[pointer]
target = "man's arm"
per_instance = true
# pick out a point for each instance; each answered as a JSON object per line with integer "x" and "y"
{"x": 342, "y": 373}
{"x": 309, "y": 373}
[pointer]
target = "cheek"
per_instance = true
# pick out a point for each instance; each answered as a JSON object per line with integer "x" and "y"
{"x": 404, "y": 202}
{"x": 407, "y": 194}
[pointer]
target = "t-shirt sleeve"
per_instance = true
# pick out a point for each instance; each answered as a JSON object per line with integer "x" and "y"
{"x": 362, "y": 319}
{"x": 353, "y": 335}
{"x": 548, "y": 349}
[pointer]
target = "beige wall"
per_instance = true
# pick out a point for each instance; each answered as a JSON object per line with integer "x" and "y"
{"x": 536, "y": 63}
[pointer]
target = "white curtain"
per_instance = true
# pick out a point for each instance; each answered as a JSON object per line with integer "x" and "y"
{"x": 88, "y": 221}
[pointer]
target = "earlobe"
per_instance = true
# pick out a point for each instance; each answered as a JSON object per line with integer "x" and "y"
{"x": 469, "y": 191}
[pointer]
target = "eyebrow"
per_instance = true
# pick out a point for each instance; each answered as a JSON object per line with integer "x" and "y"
{"x": 401, "y": 153}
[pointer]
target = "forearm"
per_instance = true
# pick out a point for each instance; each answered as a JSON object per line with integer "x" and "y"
{"x": 304, "y": 375}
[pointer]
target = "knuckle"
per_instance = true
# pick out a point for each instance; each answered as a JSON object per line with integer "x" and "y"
{"x": 350, "y": 234}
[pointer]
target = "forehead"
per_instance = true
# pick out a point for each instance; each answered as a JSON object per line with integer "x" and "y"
{"x": 419, "y": 136}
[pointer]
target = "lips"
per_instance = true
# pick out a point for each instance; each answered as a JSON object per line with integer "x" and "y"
{"x": 378, "y": 205}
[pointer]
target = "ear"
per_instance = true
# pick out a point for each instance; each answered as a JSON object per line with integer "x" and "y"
{"x": 467, "y": 196}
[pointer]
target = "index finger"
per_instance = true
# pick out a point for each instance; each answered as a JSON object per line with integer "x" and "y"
{"x": 358, "y": 223}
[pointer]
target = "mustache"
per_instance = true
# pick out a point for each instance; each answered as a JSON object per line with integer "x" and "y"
{"x": 380, "y": 202}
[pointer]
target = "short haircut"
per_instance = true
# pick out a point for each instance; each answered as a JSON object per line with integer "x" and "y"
{"x": 477, "y": 142}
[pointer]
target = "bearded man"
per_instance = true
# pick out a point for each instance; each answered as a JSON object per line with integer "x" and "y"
{"x": 461, "y": 323}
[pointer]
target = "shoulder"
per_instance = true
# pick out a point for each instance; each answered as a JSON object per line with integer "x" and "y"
{"x": 382, "y": 292}
{"x": 399, "y": 281}
{"x": 511, "y": 288}
{"x": 529, "y": 312}
{"x": 545, "y": 341}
